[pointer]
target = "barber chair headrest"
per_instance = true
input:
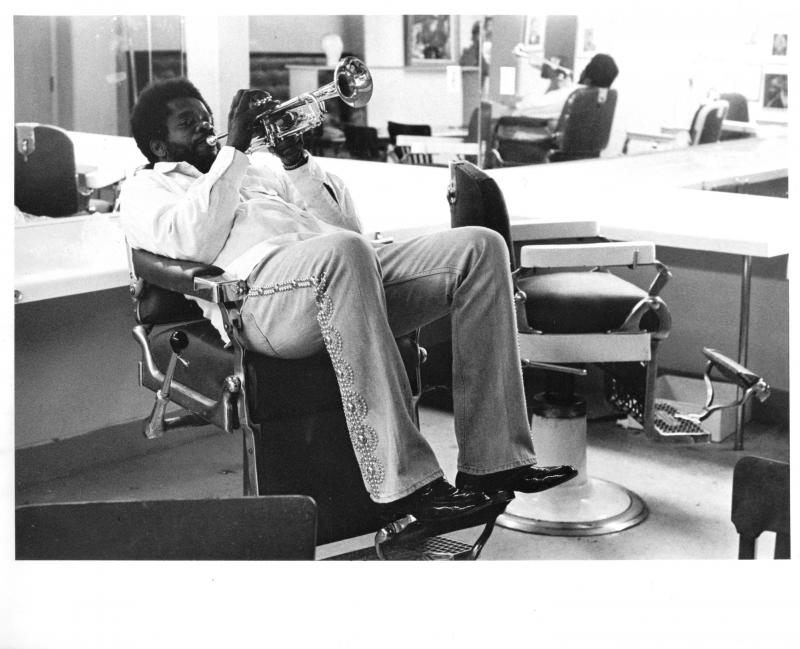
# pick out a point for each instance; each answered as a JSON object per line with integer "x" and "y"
{"x": 475, "y": 199}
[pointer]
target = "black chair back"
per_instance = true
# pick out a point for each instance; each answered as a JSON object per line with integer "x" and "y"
{"x": 475, "y": 199}
{"x": 706, "y": 126}
{"x": 361, "y": 142}
{"x": 738, "y": 111}
{"x": 520, "y": 140}
{"x": 479, "y": 128}
{"x": 396, "y": 128}
{"x": 584, "y": 127}
{"x": 44, "y": 171}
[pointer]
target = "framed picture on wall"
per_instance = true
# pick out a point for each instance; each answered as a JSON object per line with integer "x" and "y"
{"x": 587, "y": 41}
{"x": 780, "y": 45}
{"x": 533, "y": 38}
{"x": 775, "y": 86}
{"x": 431, "y": 40}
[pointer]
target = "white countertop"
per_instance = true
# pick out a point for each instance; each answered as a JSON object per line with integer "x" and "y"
{"x": 638, "y": 197}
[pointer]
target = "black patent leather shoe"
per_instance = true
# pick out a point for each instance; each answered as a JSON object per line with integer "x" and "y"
{"x": 525, "y": 479}
{"x": 437, "y": 500}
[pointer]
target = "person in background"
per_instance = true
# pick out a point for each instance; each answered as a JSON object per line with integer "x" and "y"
{"x": 600, "y": 72}
{"x": 317, "y": 283}
{"x": 475, "y": 55}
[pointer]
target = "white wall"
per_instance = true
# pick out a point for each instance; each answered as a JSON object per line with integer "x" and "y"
{"x": 301, "y": 34}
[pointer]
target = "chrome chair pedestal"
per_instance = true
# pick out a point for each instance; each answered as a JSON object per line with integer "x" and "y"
{"x": 584, "y": 506}
{"x": 595, "y": 507}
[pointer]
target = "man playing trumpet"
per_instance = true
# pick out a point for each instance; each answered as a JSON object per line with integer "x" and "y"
{"x": 316, "y": 283}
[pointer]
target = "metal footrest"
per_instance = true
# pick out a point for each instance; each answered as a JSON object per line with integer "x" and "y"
{"x": 667, "y": 424}
{"x": 436, "y": 548}
{"x": 410, "y": 539}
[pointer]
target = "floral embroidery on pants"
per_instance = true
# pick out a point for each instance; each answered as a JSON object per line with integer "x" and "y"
{"x": 362, "y": 435}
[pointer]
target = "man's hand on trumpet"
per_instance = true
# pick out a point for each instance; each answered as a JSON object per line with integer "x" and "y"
{"x": 244, "y": 125}
{"x": 246, "y": 106}
{"x": 291, "y": 152}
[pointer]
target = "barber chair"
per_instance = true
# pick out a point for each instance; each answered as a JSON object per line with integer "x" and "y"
{"x": 582, "y": 131}
{"x": 395, "y": 129}
{"x": 737, "y": 122}
{"x": 46, "y": 181}
{"x": 479, "y": 130}
{"x": 289, "y": 412}
{"x": 760, "y": 503}
{"x": 362, "y": 143}
{"x": 567, "y": 317}
{"x": 706, "y": 128}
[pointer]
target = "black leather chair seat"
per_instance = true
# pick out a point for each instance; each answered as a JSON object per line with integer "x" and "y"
{"x": 578, "y": 302}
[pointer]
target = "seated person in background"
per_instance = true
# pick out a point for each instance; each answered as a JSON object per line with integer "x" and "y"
{"x": 317, "y": 283}
{"x": 600, "y": 72}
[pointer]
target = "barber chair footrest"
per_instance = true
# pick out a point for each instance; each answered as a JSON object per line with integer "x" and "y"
{"x": 429, "y": 549}
{"x": 410, "y": 539}
{"x": 665, "y": 423}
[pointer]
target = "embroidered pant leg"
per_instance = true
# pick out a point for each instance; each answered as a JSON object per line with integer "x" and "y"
{"x": 465, "y": 271}
{"x": 326, "y": 292}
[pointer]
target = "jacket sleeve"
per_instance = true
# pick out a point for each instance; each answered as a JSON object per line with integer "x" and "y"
{"x": 322, "y": 194}
{"x": 162, "y": 215}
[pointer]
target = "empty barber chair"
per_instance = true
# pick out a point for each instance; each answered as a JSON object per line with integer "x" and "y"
{"x": 400, "y": 152}
{"x": 737, "y": 122}
{"x": 46, "y": 181}
{"x": 760, "y": 503}
{"x": 568, "y": 316}
{"x": 289, "y": 412}
{"x": 362, "y": 143}
{"x": 479, "y": 129}
{"x": 582, "y": 131}
{"x": 214, "y": 529}
{"x": 706, "y": 128}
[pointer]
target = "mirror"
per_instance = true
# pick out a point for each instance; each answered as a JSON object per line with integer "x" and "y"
{"x": 669, "y": 60}
{"x": 454, "y": 73}
{"x": 82, "y": 73}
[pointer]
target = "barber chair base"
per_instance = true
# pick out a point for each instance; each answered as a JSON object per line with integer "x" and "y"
{"x": 583, "y": 506}
{"x": 593, "y": 508}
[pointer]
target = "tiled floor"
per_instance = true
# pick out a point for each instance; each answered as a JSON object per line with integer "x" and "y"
{"x": 687, "y": 488}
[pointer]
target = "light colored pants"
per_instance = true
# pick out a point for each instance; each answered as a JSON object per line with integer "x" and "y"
{"x": 339, "y": 292}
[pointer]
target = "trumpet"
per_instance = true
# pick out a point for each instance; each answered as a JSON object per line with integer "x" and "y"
{"x": 352, "y": 83}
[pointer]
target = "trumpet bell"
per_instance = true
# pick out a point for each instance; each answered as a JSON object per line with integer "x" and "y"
{"x": 353, "y": 82}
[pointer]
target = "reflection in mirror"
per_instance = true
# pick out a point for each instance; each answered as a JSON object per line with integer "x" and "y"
{"x": 422, "y": 68}
{"x": 457, "y": 74}
{"x": 670, "y": 64}
{"x": 83, "y": 73}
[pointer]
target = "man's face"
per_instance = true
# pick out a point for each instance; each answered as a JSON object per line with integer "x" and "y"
{"x": 188, "y": 126}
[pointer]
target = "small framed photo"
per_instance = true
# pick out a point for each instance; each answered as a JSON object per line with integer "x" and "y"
{"x": 780, "y": 45}
{"x": 587, "y": 43}
{"x": 431, "y": 40}
{"x": 775, "y": 86}
{"x": 533, "y": 38}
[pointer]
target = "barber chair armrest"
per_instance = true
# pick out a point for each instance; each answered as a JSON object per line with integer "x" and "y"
{"x": 650, "y": 137}
{"x": 674, "y": 131}
{"x": 187, "y": 277}
{"x": 612, "y": 253}
{"x": 653, "y": 138}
